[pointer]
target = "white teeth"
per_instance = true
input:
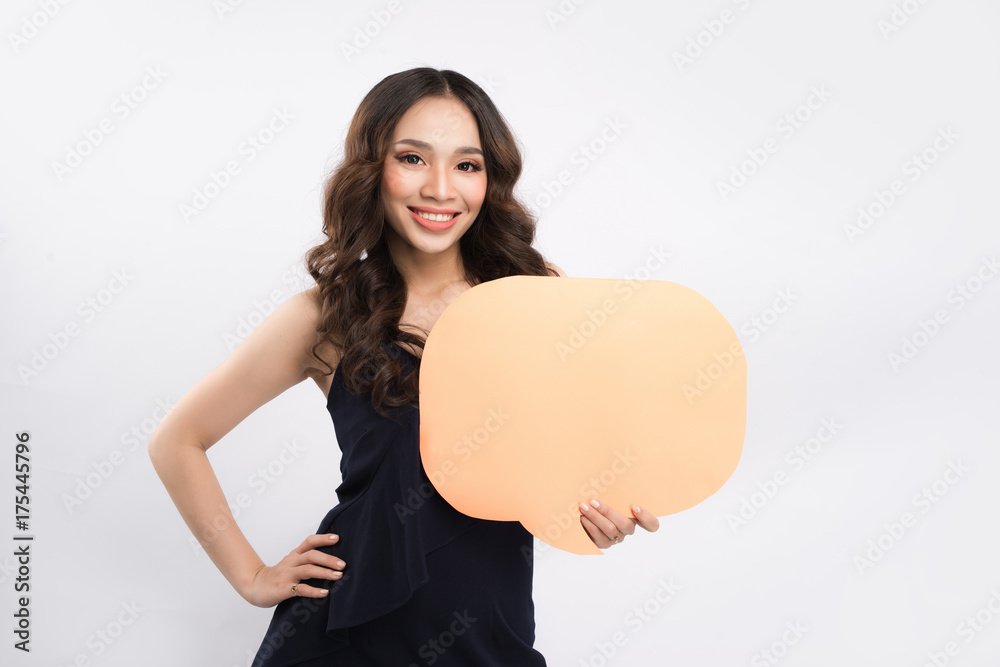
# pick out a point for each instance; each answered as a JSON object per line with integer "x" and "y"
{"x": 434, "y": 217}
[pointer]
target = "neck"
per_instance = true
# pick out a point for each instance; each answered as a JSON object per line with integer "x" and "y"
{"x": 425, "y": 273}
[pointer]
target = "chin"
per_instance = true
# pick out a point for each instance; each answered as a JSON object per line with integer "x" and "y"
{"x": 434, "y": 246}
{"x": 431, "y": 242}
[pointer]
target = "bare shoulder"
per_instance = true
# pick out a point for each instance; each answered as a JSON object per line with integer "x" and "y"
{"x": 310, "y": 307}
{"x": 559, "y": 272}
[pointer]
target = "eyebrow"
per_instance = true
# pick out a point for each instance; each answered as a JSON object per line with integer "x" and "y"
{"x": 461, "y": 150}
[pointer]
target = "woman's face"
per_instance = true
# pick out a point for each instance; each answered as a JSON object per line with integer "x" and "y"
{"x": 434, "y": 180}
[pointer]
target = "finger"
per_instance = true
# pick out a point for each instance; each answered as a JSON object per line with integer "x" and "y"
{"x": 645, "y": 518}
{"x": 324, "y": 560}
{"x": 310, "y": 571}
{"x": 318, "y": 540}
{"x": 307, "y": 591}
{"x": 597, "y": 535}
{"x": 623, "y": 525}
{"x": 606, "y": 525}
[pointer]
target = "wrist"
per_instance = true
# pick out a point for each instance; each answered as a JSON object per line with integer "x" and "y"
{"x": 244, "y": 583}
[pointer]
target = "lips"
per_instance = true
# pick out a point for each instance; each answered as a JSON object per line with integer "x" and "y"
{"x": 432, "y": 213}
{"x": 438, "y": 225}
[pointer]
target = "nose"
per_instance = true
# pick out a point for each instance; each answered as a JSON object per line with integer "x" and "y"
{"x": 438, "y": 183}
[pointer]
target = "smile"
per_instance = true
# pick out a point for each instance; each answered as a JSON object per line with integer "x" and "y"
{"x": 435, "y": 217}
{"x": 435, "y": 221}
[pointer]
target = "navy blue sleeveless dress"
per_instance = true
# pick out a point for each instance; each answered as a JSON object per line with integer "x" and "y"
{"x": 423, "y": 584}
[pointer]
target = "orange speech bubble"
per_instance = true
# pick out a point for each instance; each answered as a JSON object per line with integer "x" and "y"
{"x": 538, "y": 393}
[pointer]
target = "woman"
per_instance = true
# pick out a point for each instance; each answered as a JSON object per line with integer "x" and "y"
{"x": 421, "y": 208}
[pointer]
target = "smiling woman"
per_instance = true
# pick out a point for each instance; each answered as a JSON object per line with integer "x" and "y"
{"x": 422, "y": 174}
{"x": 421, "y": 208}
{"x": 423, "y": 145}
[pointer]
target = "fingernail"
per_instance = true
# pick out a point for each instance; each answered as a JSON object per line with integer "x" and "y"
{"x": 595, "y": 503}
{"x": 636, "y": 509}
{"x": 333, "y": 537}
{"x": 585, "y": 507}
{"x": 325, "y": 592}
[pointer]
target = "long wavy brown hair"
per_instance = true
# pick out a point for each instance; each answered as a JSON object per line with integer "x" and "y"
{"x": 363, "y": 299}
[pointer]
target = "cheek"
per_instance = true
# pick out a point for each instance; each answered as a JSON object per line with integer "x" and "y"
{"x": 394, "y": 185}
{"x": 475, "y": 194}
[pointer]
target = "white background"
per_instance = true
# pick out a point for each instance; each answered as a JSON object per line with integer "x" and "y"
{"x": 559, "y": 73}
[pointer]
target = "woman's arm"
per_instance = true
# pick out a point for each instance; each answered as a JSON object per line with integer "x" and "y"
{"x": 276, "y": 355}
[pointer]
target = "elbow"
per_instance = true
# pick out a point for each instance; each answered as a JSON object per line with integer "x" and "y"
{"x": 160, "y": 446}
{"x": 155, "y": 447}
{"x": 165, "y": 445}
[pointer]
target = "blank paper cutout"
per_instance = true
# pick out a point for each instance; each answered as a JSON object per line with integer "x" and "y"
{"x": 538, "y": 393}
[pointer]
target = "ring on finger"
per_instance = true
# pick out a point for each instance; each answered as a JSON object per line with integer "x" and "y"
{"x": 295, "y": 592}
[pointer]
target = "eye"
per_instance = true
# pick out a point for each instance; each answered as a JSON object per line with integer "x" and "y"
{"x": 405, "y": 159}
{"x": 468, "y": 166}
